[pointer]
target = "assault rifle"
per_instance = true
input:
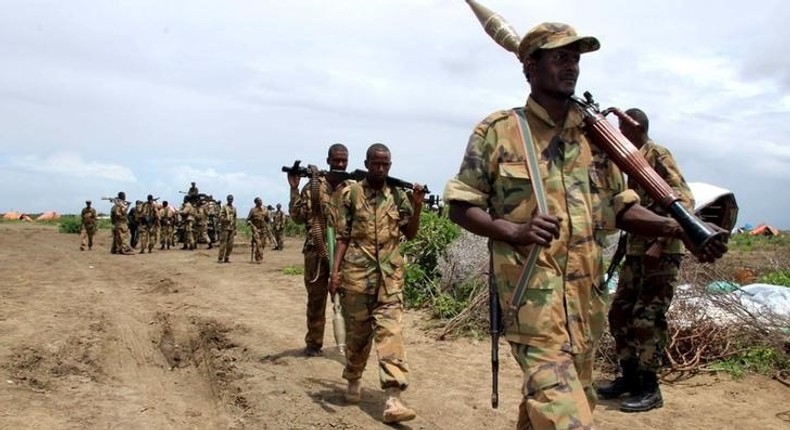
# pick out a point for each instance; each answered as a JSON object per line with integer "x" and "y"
{"x": 113, "y": 200}
{"x": 340, "y": 176}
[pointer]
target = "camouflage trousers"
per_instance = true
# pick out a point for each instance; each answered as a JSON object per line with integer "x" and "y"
{"x": 119, "y": 234}
{"x": 225, "y": 244}
{"x": 278, "y": 238}
{"x": 259, "y": 244}
{"x": 166, "y": 235}
{"x": 316, "y": 279}
{"x": 201, "y": 233}
{"x": 558, "y": 391}
{"x": 637, "y": 317}
{"x": 86, "y": 236}
{"x": 189, "y": 235}
{"x": 375, "y": 319}
{"x": 147, "y": 236}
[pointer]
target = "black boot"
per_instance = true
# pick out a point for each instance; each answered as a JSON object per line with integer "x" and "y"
{"x": 647, "y": 398}
{"x": 628, "y": 383}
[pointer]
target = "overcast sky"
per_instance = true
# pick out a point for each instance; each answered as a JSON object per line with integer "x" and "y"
{"x": 145, "y": 96}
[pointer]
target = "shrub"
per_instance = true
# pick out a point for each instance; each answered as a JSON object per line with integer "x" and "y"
{"x": 293, "y": 270}
{"x": 69, "y": 224}
{"x": 780, "y": 277}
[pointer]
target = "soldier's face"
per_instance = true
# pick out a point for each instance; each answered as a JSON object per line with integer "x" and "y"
{"x": 338, "y": 160}
{"x": 556, "y": 71}
{"x": 378, "y": 166}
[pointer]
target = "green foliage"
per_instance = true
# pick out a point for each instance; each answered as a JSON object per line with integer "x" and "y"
{"x": 293, "y": 229}
{"x": 759, "y": 359}
{"x": 69, "y": 224}
{"x": 745, "y": 242}
{"x": 293, "y": 270}
{"x": 780, "y": 277}
{"x": 243, "y": 229}
{"x": 422, "y": 254}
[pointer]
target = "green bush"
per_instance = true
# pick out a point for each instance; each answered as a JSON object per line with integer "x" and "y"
{"x": 69, "y": 224}
{"x": 293, "y": 229}
{"x": 293, "y": 270}
{"x": 422, "y": 256}
{"x": 759, "y": 359}
{"x": 780, "y": 277}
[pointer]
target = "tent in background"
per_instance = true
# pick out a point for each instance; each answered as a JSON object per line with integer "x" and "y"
{"x": 714, "y": 204}
{"x": 765, "y": 230}
{"x": 48, "y": 216}
{"x": 12, "y": 215}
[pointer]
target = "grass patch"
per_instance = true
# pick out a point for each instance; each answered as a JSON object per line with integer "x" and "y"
{"x": 293, "y": 270}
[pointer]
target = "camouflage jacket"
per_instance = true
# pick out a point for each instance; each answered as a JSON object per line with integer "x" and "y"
{"x": 661, "y": 160}
{"x": 300, "y": 207}
{"x": 147, "y": 214}
{"x": 201, "y": 215}
{"x": 372, "y": 222}
{"x": 278, "y": 220}
{"x": 118, "y": 213}
{"x": 564, "y": 305}
{"x": 227, "y": 218}
{"x": 88, "y": 217}
{"x": 166, "y": 216}
{"x": 259, "y": 218}
{"x": 187, "y": 212}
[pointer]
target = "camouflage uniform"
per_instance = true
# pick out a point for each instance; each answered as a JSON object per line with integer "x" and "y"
{"x": 201, "y": 224}
{"x": 278, "y": 225}
{"x": 371, "y": 294}
{"x": 166, "y": 223}
{"x": 316, "y": 267}
{"x": 227, "y": 231}
{"x": 187, "y": 220}
{"x": 120, "y": 229}
{"x": 88, "y": 227}
{"x": 554, "y": 335}
{"x": 146, "y": 220}
{"x": 637, "y": 318}
{"x": 258, "y": 218}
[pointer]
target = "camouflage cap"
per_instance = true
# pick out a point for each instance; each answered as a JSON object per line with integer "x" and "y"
{"x": 549, "y": 35}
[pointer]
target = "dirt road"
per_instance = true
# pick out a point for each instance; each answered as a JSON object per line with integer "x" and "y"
{"x": 173, "y": 340}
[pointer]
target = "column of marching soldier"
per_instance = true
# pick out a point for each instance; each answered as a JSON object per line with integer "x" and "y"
{"x": 201, "y": 219}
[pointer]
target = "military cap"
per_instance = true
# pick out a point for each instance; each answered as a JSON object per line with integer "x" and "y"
{"x": 549, "y": 35}
{"x": 87, "y": 202}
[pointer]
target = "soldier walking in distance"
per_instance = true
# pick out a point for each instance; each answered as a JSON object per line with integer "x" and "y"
{"x": 167, "y": 219}
{"x": 87, "y": 226}
{"x": 278, "y": 225}
{"x": 257, "y": 219}
{"x": 147, "y": 217}
{"x": 227, "y": 230}
{"x": 370, "y": 220}
{"x": 120, "y": 229}
{"x": 187, "y": 214}
{"x": 312, "y": 206}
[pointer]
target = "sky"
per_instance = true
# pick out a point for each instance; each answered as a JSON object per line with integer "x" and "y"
{"x": 146, "y": 96}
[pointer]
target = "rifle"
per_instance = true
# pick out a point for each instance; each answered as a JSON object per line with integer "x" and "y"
{"x": 495, "y": 324}
{"x": 625, "y": 155}
{"x": 113, "y": 200}
{"x": 340, "y": 176}
{"x": 619, "y": 253}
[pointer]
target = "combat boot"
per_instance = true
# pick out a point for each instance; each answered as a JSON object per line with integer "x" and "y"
{"x": 394, "y": 410}
{"x": 354, "y": 392}
{"x": 647, "y": 397}
{"x": 628, "y": 383}
{"x": 162, "y": 247}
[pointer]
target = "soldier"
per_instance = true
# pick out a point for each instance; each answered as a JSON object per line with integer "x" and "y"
{"x": 193, "y": 192}
{"x": 166, "y": 222}
{"x": 187, "y": 214}
{"x": 227, "y": 230}
{"x": 278, "y": 225}
{"x": 370, "y": 220}
{"x": 131, "y": 219}
{"x": 87, "y": 226}
{"x": 147, "y": 217}
{"x": 637, "y": 317}
{"x": 120, "y": 228}
{"x": 555, "y": 329}
{"x": 258, "y": 218}
{"x": 201, "y": 224}
{"x": 312, "y": 206}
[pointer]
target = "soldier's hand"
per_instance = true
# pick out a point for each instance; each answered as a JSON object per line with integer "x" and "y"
{"x": 541, "y": 230}
{"x": 334, "y": 282}
{"x": 417, "y": 195}
{"x": 713, "y": 249}
{"x": 293, "y": 180}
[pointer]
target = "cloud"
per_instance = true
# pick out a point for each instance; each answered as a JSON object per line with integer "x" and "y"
{"x": 71, "y": 165}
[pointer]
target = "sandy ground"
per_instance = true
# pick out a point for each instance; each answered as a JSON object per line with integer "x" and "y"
{"x": 172, "y": 340}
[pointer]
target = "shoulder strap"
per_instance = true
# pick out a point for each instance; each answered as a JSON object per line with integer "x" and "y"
{"x": 533, "y": 167}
